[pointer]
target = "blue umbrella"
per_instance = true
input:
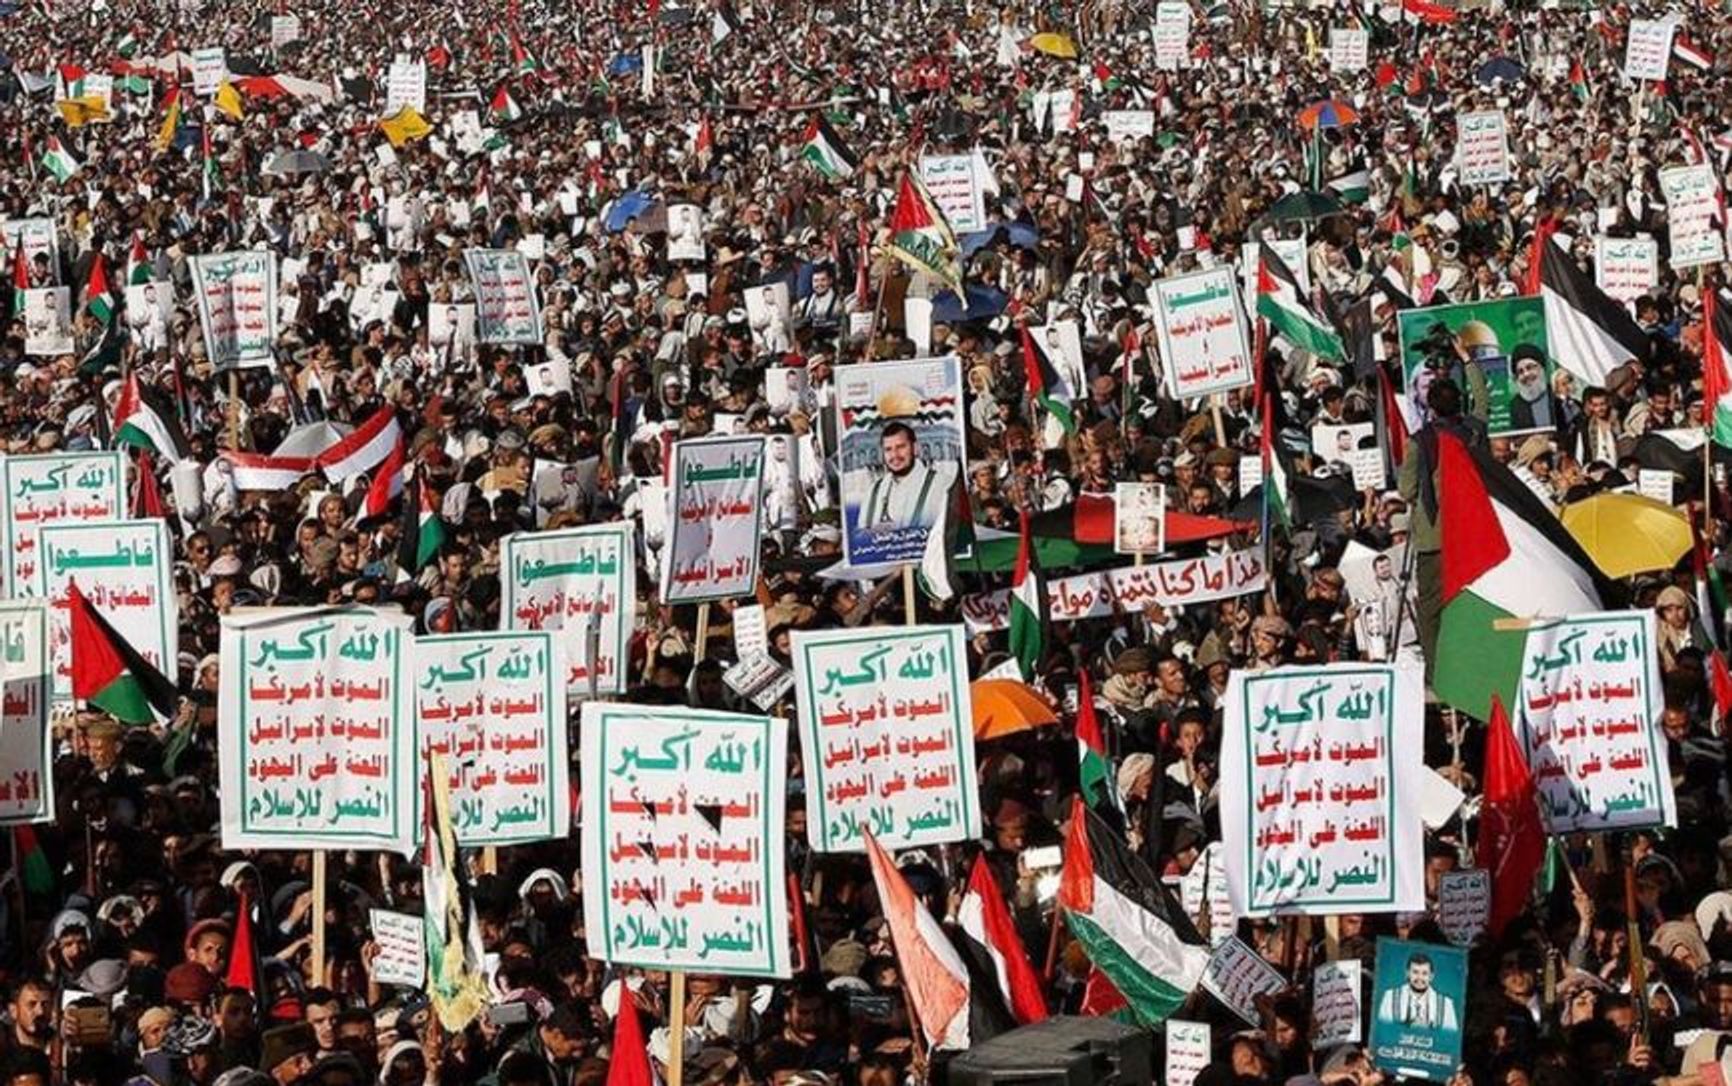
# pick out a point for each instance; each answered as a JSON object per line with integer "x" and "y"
{"x": 629, "y": 206}
{"x": 625, "y": 64}
{"x": 1020, "y": 234}
{"x": 1499, "y": 69}
{"x": 983, "y": 302}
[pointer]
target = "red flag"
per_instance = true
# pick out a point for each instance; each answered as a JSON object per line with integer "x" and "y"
{"x": 1396, "y": 422}
{"x": 243, "y": 955}
{"x": 629, "y": 1065}
{"x": 1537, "y": 254}
{"x": 987, "y": 921}
{"x": 147, "y": 497}
{"x": 1721, "y": 679}
{"x": 1512, "y": 839}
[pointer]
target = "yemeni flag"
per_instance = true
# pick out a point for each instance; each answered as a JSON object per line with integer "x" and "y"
{"x": 1094, "y": 772}
{"x": 824, "y": 149}
{"x": 1027, "y": 607}
{"x": 1512, "y": 839}
{"x": 423, "y": 532}
{"x": 1046, "y": 384}
{"x": 58, "y": 161}
{"x": 934, "y": 977}
{"x": 145, "y": 422}
{"x": 1127, "y": 921}
{"x": 1588, "y": 332}
{"x": 1283, "y": 305}
{"x": 504, "y": 108}
{"x": 984, "y": 918}
{"x": 363, "y": 449}
{"x": 386, "y": 485}
{"x": 1504, "y": 556}
{"x": 1716, "y": 377}
{"x": 1691, "y": 53}
{"x": 99, "y": 297}
{"x": 111, "y": 675}
{"x": 919, "y": 236}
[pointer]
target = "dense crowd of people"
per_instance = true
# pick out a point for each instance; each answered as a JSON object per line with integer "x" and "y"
{"x": 120, "y": 914}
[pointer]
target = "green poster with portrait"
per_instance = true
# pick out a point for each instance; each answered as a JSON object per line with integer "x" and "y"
{"x": 1497, "y": 352}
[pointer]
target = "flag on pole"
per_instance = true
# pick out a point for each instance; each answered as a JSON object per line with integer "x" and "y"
{"x": 455, "y": 984}
{"x": 423, "y": 532}
{"x": 1046, "y": 384}
{"x": 109, "y": 674}
{"x": 920, "y": 238}
{"x": 628, "y": 1064}
{"x": 504, "y": 108}
{"x": 170, "y": 120}
{"x": 144, "y": 422}
{"x": 523, "y": 62}
{"x": 58, "y": 161}
{"x": 99, "y": 298}
{"x": 933, "y": 975}
{"x": 985, "y": 919}
{"x": 1094, "y": 769}
{"x": 138, "y": 270}
{"x": 1027, "y": 607}
{"x": 1588, "y": 332}
{"x": 1512, "y": 839}
{"x": 826, "y": 151}
{"x": 1716, "y": 377}
{"x": 1283, "y": 305}
{"x": 228, "y": 100}
{"x": 387, "y": 483}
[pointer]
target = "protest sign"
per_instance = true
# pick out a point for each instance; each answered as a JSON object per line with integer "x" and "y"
{"x": 900, "y": 434}
{"x": 1187, "y": 1051}
{"x": 1349, "y": 48}
{"x": 1655, "y": 483}
{"x": 1336, "y": 1015}
{"x": 770, "y": 316}
{"x": 582, "y": 581}
{"x": 1203, "y": 895}
{"x": 686, "y": 232}
{"x": 955, "y": 186}
{"x": 1694, "y": 220}
{"x": 125, "y": 569}
{"x": 493, "y": 704}
{"x": 1419, "y": 997}
{"x": 718, "y": 520}
{"x": 26, "y": 743}
{"x": 1139, "y": 518}
{"x": 1128, "y": 125}
{"x": 1482, "y": 148}
{"x": 1626, "y": 268}
{"x": 506, "y": 310}
{"x": 887, "y": 736}
{"x": 48, "y": 321}
{"x": 1648, "y": 49}
{"x": 1354, "y": 447}
{"x": 1237, "y": 975}
{"x": 285, "y": 29}
{"x": 1201, "y": 333}
{"x": 319, "y": 732}
{"x": 53, "y": 488}
{"x": 99, "y": 87}
{"x": 40, "y": 241}
{"x": 451, "y": 326}
{"x": 1172, "y": 35}
{"x": 402, "y": 948}
{"x": 237, "y": 304}
{"x": 1588, "y": 716}
{"x": 149, "y": 312}
{"x": 1093, "y": 595}
{"x": 682, "y": 839}
{"x": 1323, "y": 764}
{"x": 1497, "y": 352}
{"x": 1463, "y": 904}
{"x": 209, "y": 69}
{"x": 405, "y": 87}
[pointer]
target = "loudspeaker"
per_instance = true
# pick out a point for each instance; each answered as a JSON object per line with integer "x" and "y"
{"x": 1059, "y": 1052}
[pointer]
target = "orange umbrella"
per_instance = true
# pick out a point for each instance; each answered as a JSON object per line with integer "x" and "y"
{"x": 1330, "y": 113}
{"x": 1005, "y": 707}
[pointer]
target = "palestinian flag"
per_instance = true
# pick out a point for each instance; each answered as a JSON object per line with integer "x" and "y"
{"x": 1094, "y": 771}
{"x": 1282, "y": 304}
{"x": 451, "y": 932}
{"x": 983, "y": 917}
{"x": 934, "y": 977}
{"x": 99, "y": 296}
{"x": 1080, "y": 534}
{"x": 824, "y": 149}
{"x": 1354, "y": 186}
{"x": 1504, "y": 556}
{"x": 1579, "y": 81}
{"x": 504, "y": 108}
{"x": 138, "y": 271}
{"x": 1028, "y": 612}
{"x": 1127, "y": 922}
{"x": 523, "y": 62}
{"x": 127, "y": 46}
{"x": 1716, "y": 356}
{"x": 111, "y": 675}
{"x": 58, "y": 161}
{"x": 1587, "y": 332}
{"x": 1046, "y": 384}
{"x": 35, "y": 873}
{"x": 170, "y": 120}
{"x": 919, "y": 236}
{"x": 143, "y": 421}
{"x": 423, "y": 532}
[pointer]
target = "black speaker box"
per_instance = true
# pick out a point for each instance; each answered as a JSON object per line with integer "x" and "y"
{"x": 1058, "y": 1052}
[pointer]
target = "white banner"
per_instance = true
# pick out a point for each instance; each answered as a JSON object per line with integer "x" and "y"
{"x": 1349, "y": 48}
{"x": 53, "y": 488}
{"x": 1626, "y": 268}
{"x": 1482, "y": 148}
{"x": 506, "y": 310}
{"x": 493, "y": 704}
{"x": 1094, "y": 595}
{"x": 682, "y": 839}
{"x": 402, "y": 943}
{"x": 1588, "y": 716}
{"x": 319, "y": 730}
{"x": 582, "y": 581}
{"x": 887, "y": 736}
{"x": 237, "y": 303}
{"x": 125, "y": 569}
{"x": 405, "y": 85}
{"x": 209, "y": 69}
{"x": 1202, "y": 333}
{"x": 1648, "y": 49}
{"x": 1172, "y": 35}
{"x": 285, "y": 29}
{"x": 1337, "y": 1003}
{"x": 1693, "y": 227}
{"x": 956, "y": 188}
{"x": 1323, "y": 766}
{"x": 1127, "y": 125}
{"x": 26, "y": 744}
{"x": 718, "y": 520}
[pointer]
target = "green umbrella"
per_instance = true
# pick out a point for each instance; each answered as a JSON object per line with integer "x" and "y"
{"x": 1304, "y": 205}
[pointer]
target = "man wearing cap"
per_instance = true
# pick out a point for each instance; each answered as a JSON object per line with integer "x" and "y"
{"x": 287, "y": 1053}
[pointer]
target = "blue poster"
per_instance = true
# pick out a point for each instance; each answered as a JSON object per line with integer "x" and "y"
{"x": 1418, "y": 1008}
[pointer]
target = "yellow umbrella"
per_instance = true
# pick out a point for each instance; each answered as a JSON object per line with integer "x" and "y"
{"x": 1005, "y": 707}
{"x": 1054, "y": 45}
{"x": 1626, "y": 534}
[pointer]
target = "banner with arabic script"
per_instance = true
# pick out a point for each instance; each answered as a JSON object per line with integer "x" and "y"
{"x": 581, "y": 581}
{"x": 494, "y": 705}
{"x": 318, "y": 730}
{"x": 718, "y": 516}
{"x": 1201, "y": 333}
{"x": 887, "y": 734}
{"x": 1323, "y": 764}
{"x": 682, "y": 835}
{"x": 1094, "y": 595}
{"x": 124, "y": 568}
{"x": 26, "y": 747}
{"x": 56, "y": 488}
{"x": 237, "y": 306}
{"x": 1588, "y": 717}
{"x": 505, "y": 307}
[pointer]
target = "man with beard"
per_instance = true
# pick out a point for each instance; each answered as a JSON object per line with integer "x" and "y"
{"x": 1531, "y": 405}
{"x": 32, "y": 1013}
{"x": 910, "y": 493}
